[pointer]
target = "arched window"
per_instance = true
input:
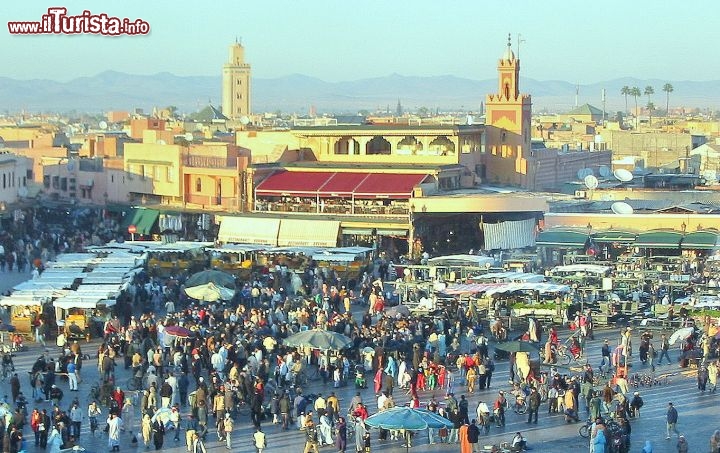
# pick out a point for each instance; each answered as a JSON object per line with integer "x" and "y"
{"x": 198, "y": 185}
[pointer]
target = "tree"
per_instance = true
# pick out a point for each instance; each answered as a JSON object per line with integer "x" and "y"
{"x": 667, "y": 88}
{"x": 636, "y": 93}
{"x": 649, "y": 91}
{"x": 650, "y": 108}
{"x": 625, "y": 91}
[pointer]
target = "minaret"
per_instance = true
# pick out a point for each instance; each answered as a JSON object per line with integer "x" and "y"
{"x": 236, "y": 84}
{"x": 507, "y": 120}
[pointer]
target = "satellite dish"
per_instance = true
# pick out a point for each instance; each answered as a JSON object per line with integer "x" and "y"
{"x": 189, "y": 136}
{"x": 103, "y": 125}
{"x": 581, "y": 174}
{"x": 620, "y": 207}
{"x": 161, "y": 142}
{"x": 591, "y": 182}
{"x": 623, "y": 175}
{"x": 604, "y": 171}
{"x": 245, "y": 120}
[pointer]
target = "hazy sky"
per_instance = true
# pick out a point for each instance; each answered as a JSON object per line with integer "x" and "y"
{"x": 335, "y": 40}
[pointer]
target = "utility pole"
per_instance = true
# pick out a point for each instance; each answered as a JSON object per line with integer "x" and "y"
{"x": 603, "y": 102}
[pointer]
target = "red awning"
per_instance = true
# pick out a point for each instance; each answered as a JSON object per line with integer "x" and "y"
{"x": 342, "y": 184}
{"x": 292, "y": 183}
{"x": 387, "y": 185}
{"x": 338, "y": 184}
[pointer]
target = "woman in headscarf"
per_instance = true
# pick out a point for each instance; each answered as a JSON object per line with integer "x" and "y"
{"x": 341, "y": 435}
{"x": 128, "y": 415}
{"x": 146, "y": 429}
{"x": 158, "y": 429}
{"x": 54, "y": 440}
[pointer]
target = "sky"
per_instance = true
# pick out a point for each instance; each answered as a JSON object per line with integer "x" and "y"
{"x": 339, "y": 40}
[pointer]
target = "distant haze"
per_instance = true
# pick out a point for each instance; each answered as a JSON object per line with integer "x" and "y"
{"x": 296, "y": 93}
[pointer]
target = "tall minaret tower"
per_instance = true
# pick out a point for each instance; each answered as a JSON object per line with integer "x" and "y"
{"x": 507, "y": 120}
{"x": 236, "y": 84}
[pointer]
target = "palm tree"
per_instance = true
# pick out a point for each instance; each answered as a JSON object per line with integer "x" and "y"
{"x": 649, "y": 91}
{"x": 636, "y": 93}
{"x": 667, "y": 88}
{"x": 650, "y": 108}
{"x": 625, "y": 91}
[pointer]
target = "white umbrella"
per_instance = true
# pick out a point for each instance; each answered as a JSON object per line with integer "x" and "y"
{"x": 681, "y": 334}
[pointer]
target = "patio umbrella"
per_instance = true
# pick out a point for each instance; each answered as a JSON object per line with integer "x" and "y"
{"x": 324, "y": 340}
{"x": 219, "y": 278}
{"x": 398, "y": 310}
{"x": 681, "y": 334}
{"x": 403, "y": 417}
{"x": 178, "y": 331}
{"x": 210, "y": 292}
{"x": 517, "y": 346}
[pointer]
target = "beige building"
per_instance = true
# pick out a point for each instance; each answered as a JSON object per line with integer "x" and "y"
{"x": 236, "y": 85}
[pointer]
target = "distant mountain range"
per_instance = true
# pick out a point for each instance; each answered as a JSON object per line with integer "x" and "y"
{"x": 112, "y": 90}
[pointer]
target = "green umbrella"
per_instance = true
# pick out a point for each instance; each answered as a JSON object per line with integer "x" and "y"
{"x": 210, "y": 292}
{"x": 517, "y": 346}
{"x": 324, "y": 340}
{"x": 219, "y": 278}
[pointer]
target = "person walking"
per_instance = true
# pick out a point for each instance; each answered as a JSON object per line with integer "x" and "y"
{"x": 533, "y": 406}
{"x": 228, "y": 426}
{"x": 114, "y": 428}
{"x": 147, "y": 430}
{"x": 259, "y": 440}
{"x": 473, "y": 435}
{"x": 158, "y": 429}
{"x": 664, "y": 348}
{"x": 672, "y": 419}
{"x": 341, "y": 435}
{"x": 682, "y": 445}
{"x": 311, "y": 437}
{"x": 54, "y": 441}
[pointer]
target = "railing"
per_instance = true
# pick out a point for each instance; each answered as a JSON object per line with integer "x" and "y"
{"x": 344, "y": 209}
{"x": 209, "y": 161}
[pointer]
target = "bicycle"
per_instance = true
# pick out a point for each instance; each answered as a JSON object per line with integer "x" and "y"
{"x": 564, "y": 357}
{"x": 520, "y": 406}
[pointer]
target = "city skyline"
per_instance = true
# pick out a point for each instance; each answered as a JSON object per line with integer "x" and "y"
{"x": 329, "y": 41}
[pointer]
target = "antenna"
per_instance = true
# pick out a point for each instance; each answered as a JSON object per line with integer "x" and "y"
{"x": 519, "y": 40}
{"x": 603, "y": 103}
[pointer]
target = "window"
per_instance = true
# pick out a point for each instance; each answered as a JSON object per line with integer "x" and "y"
{"x": 158, "y": 173}
{"x": 4, "y": 180}
{"x": 198, "y": 185}
{"x": 170, "y": 176}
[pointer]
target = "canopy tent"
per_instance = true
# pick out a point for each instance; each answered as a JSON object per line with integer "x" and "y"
{"x": 508, "y": 277}
{"x": 542, "y": 288}
{"x": 470, "y": 288}
{"x": 356, "y": 250}
{"x": 659, "y": 239}
{"x": 143, "y": 219}
{"x": 582, "y": 269}
{"x": 237, "y": 248}
{"x": 462, "y": 260}
{"x": 85, "y": 302}
{"x": 358, "y": 185}
{"x": 249, "y": 230}
{"x": 562, "y": 238}
{"x": 614, "y": 236}
{"x": 334, "y": 257}
{"x": 308, "y": 233}
{"x": 701, "y": 240}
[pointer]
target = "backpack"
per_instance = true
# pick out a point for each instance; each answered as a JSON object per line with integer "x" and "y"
{"x": 311, "y": 433}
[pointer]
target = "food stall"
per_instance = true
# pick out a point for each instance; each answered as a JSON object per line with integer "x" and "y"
{"x": 237, "y": 259}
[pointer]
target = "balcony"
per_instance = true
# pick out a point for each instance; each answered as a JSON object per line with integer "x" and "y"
{"x": 209, "y": 162}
